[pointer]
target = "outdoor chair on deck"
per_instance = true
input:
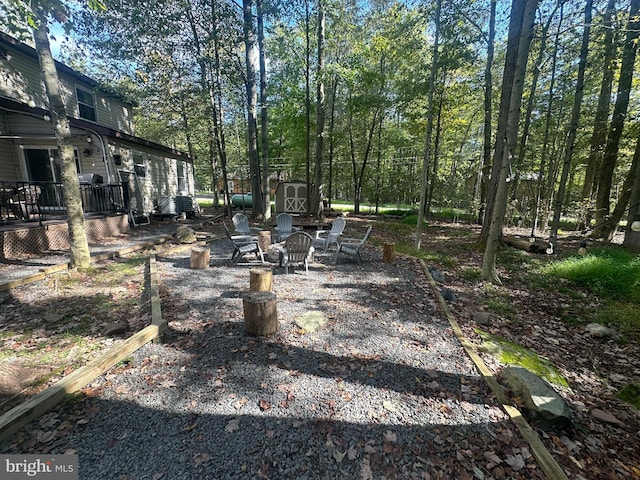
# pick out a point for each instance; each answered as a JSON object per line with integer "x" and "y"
{"x": 325, "y": 238}
{"x": 351, "y": 246}
{"x": 297, "y": 250}
{"x": 243, "y": 244}
{"x": 284, "y": 226}
{"x": 241, "y": 224}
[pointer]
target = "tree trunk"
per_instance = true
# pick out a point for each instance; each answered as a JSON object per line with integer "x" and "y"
{"x": 631, "y": 238}
{"x": 252, "y": 100}
{"x": 485, "y": 167}
{"x": 515, "y": 26}
{"x": 427, "y": 146}
{"x": 540, "y": 184}
{"x": 264, "y": 133}
{"x": 573, "y": 127}
{"x": 617, "y": 121}
{"x": 316, "y": 197}
{"x": 520, "y": 31}
{"x": 600, "y": 122}
{"x": 307, "y": 103}
{"x": 79, "y": 251}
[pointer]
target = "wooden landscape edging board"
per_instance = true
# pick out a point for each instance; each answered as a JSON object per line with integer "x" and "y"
{"x": 17, "y": 417}
{"x": 549, "y": 466}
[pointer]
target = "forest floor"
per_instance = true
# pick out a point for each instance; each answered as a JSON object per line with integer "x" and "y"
{"x": 603, "y": 441}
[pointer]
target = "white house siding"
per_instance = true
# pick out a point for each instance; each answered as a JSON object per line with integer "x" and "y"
{"x": 9, "y": 170}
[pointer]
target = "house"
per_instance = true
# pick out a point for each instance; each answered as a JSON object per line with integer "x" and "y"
{"x": 123, "y": 178}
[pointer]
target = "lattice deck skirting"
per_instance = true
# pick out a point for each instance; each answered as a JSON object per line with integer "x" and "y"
{"x": 18, "y": 243}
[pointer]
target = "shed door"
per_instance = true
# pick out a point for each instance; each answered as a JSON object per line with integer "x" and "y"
{"x": 295, "y": 198}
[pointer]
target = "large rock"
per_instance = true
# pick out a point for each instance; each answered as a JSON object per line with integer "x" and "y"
{"x": 185, "y": 234}
{"x": 599, "y": 331}
{"x": 540, "y": 400}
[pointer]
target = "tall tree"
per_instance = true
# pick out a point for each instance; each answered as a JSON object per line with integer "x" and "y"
{"x": 573, "y": 127}
{"x": 38, "y": 15}
{"x": 316, "y": 196}
{"x": 519, "y": 39}
{"x": 252, "y": 100}
{"x": 428, "y": 152}
{"x": 604, "y": 224}
{"x": 264, "y": 132}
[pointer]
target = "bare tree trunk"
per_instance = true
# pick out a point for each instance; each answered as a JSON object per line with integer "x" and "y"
{"x": 540, "y": 184}
{"x": 520, "y": 31}
{"x": 316, "y": 198}
{"x": 79, "y": 251}
{"x": 573, "y": 127}
{"x": 334, "y": 91}
{"x": 264, "y": 133}
{"x": 631, "y": 238}
{"x": 515, "y": 26}
{"x": 427, "y": 146}
{"x": 307, "y": 103}
{"x": 617, "y": 121}
{"x": 600, "y": 122}
{"x": 485, "y": 168}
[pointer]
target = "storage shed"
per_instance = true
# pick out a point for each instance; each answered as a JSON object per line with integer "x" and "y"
{"x": 291, "y": 197}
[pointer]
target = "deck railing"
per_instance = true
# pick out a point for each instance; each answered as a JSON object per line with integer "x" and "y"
{"x": 28, "y": 201}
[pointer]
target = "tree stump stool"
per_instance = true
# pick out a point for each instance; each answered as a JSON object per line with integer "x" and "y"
{"x": 389, "y": 252}
{"x": 200, "y": 257}
{"x": 260, "y": 280}
{"x": 260, "y": 313}
{"x": 264, "y": 240}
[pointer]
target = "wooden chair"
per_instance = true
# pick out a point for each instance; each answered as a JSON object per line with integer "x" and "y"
{"x": 284, "y": 226}
{"x": 241, "y": 224}
{"x": 351, "y": 246}
{"x": 325, "y": 238}
{"x": 297, "y": 250}
{"x": 243, "y": 244}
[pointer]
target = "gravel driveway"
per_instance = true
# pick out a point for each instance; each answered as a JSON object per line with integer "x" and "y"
{"x": 383, "y": 390}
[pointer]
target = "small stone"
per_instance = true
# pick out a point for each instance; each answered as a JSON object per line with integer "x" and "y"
{"x": 185, "y": 234}
{"x": 606, "y": 417}
{"x": 448, "y": 295}
{"x": 52, "y": 317}
{"x": 617, "y": 378}
{"x": 481, "y": 318}
{"x": 599, "y": 331}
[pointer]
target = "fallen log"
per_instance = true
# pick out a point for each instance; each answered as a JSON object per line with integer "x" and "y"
{"x": 522, "y": 244}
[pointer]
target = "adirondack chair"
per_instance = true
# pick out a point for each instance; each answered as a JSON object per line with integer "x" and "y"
{"x": 241, "y": 224}
{"x": 243, "y": 244}
{"x": 284, "y": 226}
{"x": 297, "y": 250}
{"x": 351, "y": 246}
{"x": 325, "y": 238}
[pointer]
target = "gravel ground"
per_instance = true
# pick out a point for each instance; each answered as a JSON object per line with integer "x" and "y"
{"x": 383, "y": 390}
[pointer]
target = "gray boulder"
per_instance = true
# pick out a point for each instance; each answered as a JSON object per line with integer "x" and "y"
{"x": 599, "y": 331}
{"x": 540, "y": 400}
{"x": 185, "y": 234}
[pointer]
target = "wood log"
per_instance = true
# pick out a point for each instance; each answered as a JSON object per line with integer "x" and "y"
{"x": 260, "y": 313}
{"x": 260, "y": 280}
{"x": 389, "y": 252}
{"x": 521, "y": 244}
{"x": 264, "y": 240}
{"x": 200, "y": 258}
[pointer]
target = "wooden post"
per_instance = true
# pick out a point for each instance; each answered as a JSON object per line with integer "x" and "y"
{"x": 260, "y": 280}
{"x": 260, "y": 313}
{"x": 389, "y": 252}
{"x": 264, "y": 240}
{"x": 200, "y": 257}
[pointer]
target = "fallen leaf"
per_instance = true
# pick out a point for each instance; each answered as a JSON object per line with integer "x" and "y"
{"x": 264, "y": 405}
{"x": 390, "y": 436}
{"x": 188, "y": 428}
{"x": 201, "y": 458}
{"x": 492, "y": 457}
{"x": 389, "y": 406}
{"x": 516, "y": 462}
{"x": 232, "y": 425}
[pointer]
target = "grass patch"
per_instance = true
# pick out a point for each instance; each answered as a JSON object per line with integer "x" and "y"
{"x": 511, "y": 353}
{"x": 500, "y": 308}
{"x": 609, "y": 272}
{"x": 631, "y": 394}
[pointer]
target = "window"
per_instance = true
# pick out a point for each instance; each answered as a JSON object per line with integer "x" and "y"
{"x": 86, "y": 104}
{"x": 182, "y": 184}
{"x": 139, "y": 165}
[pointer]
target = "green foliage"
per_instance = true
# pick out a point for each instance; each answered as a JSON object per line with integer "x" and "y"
{"x": 611, "y": 272}
{"x": 631, "y": 394}
{"x": 511, "y": 353}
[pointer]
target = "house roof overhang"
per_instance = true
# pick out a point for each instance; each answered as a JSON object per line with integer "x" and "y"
{"x": 19, "y": 107}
